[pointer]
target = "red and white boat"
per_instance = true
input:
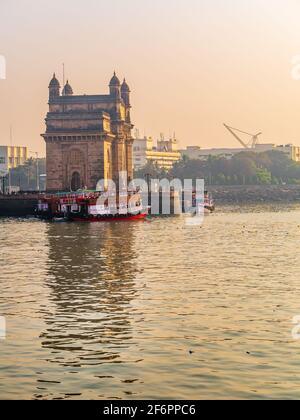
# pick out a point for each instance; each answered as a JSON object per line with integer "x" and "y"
{"x": 91, "y": 206}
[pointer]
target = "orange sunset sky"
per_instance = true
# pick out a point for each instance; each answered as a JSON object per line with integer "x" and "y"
{"x": 191, "y": 64}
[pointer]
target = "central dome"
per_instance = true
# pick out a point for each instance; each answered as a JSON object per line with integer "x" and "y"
{"x": 67, "y": 90}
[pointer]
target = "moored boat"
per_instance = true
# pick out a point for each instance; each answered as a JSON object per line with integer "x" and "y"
{"x": 209, "y": 204}
{"x": 91, "y": 206}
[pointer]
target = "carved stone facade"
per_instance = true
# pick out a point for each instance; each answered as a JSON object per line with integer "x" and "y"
{"x": 88, "y": 137}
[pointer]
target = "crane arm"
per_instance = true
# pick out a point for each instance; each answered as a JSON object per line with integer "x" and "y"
{"x": 236, "y": 136}
{"x": 240, "y": 131}
{"x": 255, "y": 140}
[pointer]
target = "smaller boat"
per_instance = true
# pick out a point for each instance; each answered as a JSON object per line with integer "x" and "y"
{"x": 206, "y": 204}
{"x": 209, "y": 204}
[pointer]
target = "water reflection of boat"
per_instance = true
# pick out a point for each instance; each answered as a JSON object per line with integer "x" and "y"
{"x": 88, "y": 321}
{"x": 91, "y": 206}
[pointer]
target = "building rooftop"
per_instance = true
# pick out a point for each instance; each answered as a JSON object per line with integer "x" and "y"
{"x": 82, "y": 99}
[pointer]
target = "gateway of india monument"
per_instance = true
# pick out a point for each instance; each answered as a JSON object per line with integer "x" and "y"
{"x": 88, "y": 137}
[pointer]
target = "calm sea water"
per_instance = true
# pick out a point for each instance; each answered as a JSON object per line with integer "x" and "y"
{"x": 152, "y": 309}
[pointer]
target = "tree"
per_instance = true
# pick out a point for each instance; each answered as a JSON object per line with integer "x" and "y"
{"x": 25, "y": 176}
{"x": 244, "y": 168}
{"x": 264, "y": 176}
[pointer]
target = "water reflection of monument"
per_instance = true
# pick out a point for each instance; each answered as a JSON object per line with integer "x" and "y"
{"x": 91, "y": 280}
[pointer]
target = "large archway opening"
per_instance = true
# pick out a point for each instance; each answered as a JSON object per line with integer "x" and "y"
{"x": 75, "y": 181}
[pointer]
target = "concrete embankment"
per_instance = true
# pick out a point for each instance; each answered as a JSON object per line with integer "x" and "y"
{"x": 255, "y": 194}
{"x": 18, "y": 206}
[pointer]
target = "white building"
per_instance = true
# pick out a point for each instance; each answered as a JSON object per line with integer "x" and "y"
{"x": 195, "y": 152}
{"x": 164, "y": 155}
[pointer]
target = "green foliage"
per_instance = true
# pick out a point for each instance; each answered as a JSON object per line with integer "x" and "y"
{"x": 151, "y": 170}
{"x": 246, "y": 168}
{"x": 25, "y": 176}
{"x": 263, "y": 176}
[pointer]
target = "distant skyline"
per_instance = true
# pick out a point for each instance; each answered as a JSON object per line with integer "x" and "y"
{"x": 192, "y": 65}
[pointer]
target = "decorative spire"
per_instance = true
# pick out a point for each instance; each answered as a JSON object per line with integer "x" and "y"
{"x": 115, "y": 81}
{"x": 54, "y": 88}
{"x": 67, "y": 90}
{"x": 125, "y": 94}
{"x": 125, "y": 87}
{"x": 54, "y": 82}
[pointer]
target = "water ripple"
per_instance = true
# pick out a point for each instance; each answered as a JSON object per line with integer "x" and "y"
{"x": 151, "y": 310}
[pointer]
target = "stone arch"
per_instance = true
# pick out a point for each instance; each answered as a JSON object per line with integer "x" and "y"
{"x": 76, "y": 182}
{"x": 76, "y": 169}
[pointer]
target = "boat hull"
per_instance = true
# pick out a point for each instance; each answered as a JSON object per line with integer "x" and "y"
{"x": 112, "y": 218}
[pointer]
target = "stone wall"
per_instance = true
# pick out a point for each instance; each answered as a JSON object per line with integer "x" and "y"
{"x": 18, "y": 206}
{"x": 255, "y": 194}
{"x": 88, "y": 158}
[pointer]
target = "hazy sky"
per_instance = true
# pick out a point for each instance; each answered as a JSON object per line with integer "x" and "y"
{"x": 191, "y": 64}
